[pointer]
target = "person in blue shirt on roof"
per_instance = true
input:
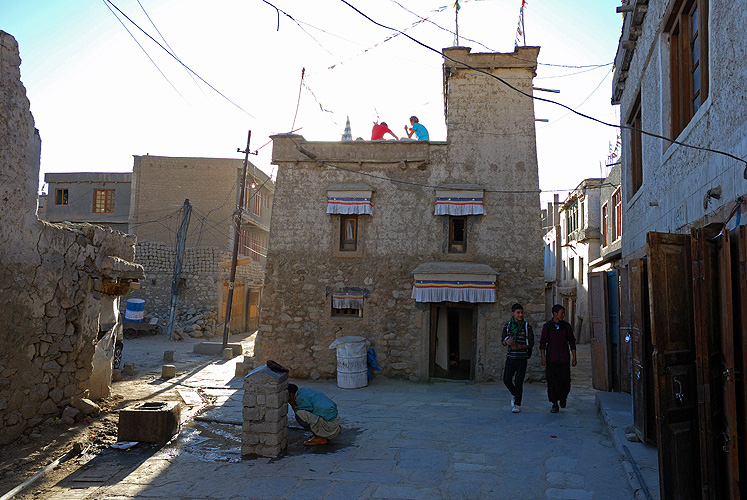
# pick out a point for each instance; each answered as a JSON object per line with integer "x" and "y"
{"x": 315, "y": 412}
{"x": 421, "y": 133}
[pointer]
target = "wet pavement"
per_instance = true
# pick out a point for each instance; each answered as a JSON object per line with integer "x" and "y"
{"x": 400, "y": 440}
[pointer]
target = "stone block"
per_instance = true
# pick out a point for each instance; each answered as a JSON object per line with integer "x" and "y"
{"x": 151, "y": 422}
{"x": 249, "y": 438}
{"x": 116, "y": 375}
{"x": 249, "y": 399}
{"x": 129, "y": 369}
{"x": 228, "y": 353}
{"x": 168, "y": 371}
{"x": 262, "y": 375}
{"x": 86, "y": 406}
{"x": 268, "y": 427}
{"x": 216, "y": 348}
{"x": 168, "y": 356}
{"x": 271, "y": 414}
{"x": 277, "y": 400}
{"x": 273, "y": 439}
{"x": 250, "y": 414}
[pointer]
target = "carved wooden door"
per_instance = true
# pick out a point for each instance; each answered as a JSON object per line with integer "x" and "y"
{"x": 673, "y": 339}
{"x": 642, "y": 386}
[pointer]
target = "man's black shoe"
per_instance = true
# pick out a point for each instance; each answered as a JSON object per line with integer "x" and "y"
{"x": 562, "y": 403}
{"x": 554, "y": 408}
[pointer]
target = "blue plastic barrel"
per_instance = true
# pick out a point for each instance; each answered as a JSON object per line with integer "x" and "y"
{"x": 135, "y": 310}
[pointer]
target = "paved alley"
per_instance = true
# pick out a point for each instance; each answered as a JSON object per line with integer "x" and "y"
{"x": 400, "y": 440}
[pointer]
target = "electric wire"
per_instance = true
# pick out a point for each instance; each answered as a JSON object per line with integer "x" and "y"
{"x": 143, "y": 49}
{"x": 542, "y": 99}
{"x": 167, "y": 43}
{"x": 180, "y": 61}
{"x": 297, "y": 24}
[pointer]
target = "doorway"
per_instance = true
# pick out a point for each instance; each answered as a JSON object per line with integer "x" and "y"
{"x": 452, "y": 349}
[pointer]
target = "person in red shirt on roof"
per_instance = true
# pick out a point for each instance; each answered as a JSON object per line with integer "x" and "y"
{"x": 379, "y": 129}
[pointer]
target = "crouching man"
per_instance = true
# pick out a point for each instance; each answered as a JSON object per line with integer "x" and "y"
{"x": 315, "y": 412}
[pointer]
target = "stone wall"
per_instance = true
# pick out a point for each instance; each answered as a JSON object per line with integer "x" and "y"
{"x": 305, "y": 264}
{"x": 204, "y": 270}
{"x": 51, "y": 277}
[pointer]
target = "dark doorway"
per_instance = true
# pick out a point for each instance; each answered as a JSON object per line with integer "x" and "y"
{"x": 452, "y": 341}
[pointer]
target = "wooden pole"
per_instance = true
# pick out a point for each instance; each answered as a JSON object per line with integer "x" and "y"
{"x": 236, "y": 236}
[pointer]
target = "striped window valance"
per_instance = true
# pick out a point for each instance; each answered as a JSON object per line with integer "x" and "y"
{"x": 349, "y": 202}
{"x": 454, "y": 282}
{"x": 459, "y": 202}
{"x": 347, "y": 300}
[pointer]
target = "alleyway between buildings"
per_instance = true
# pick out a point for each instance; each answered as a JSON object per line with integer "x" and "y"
{"x": 400, "y": 440}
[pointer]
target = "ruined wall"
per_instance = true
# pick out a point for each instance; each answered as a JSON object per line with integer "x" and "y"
{"x": 49, "y": 277}
{"x": 201, "y": 285}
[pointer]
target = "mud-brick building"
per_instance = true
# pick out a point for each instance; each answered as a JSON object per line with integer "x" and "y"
{"x": 421, "y": 247}
{"x": 160, "y": 184}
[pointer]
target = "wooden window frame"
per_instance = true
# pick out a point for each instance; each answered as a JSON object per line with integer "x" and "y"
{"x": 635, "y": 121}
{"x": 457, "y": 245}
{"x": 61, "y": 196}
{"x": 348, "y": 244}
{"x": 571, "y": 218}
{"x": 617, "y": 212}
{"x": 572, "y": 268}
{"x": 605, "y": 224}
{"x": 105, "y": 204}
{"x": 688, "y": 61}
{"x": 581, "y": 270}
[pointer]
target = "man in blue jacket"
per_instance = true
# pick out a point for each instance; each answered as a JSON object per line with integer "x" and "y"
{"x": 314, "y": 412}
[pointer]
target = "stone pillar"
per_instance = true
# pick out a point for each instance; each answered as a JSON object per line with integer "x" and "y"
{"x": 265, "y": 429}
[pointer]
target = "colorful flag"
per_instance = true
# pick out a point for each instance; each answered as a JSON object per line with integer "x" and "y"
{"x": 456, "y": 5}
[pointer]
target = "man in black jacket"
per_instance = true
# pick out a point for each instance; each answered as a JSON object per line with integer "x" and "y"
{"x": 558, "y": 348}
{"x": 519, "y": 337}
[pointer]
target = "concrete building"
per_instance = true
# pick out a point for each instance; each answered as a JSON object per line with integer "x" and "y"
{"x": 579, "y": 232}
{"x": 159, "y": 187}
{"x": 101, "y": 198}
{"x": 421, "y": 247}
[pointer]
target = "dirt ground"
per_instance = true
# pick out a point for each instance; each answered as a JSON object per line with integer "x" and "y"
{"x": 91, "y": 436}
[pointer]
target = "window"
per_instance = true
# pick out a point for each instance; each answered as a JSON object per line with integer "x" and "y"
{"x": 258, "y": 203}
{"x": 617, "y": 202}
{"x": 687, "y": 26}
{"x": 571, "y": 218}
{"x": 581, "y": 214}
{"x": 605, "y": 225}
{"x": 572, "y": 268}
{"x": 60, "y": 196}
{"x": 348, "y": 312}
{"x": 457, "y": 234}
{"x": 636, "y": 147}
{"x": 245, "y": 242}
{"x": 348, "y": 233}
{"x": 103, "y": 201}
{"x": 581, "y": 270}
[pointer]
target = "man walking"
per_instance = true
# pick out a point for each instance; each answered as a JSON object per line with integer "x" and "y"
{"x": 556, "y": 341}
{"x": 519, "y": 337}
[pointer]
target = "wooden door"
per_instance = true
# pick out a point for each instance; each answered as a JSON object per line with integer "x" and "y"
{"x": 238, "y": 323}
{"x": 600, "y": 375}
{"x": 642, "y": 381}
{"x": 711, "y": 265}
{"x": 253, "y": 322}
{"x": 739, "y": 287}
{"x": 672, "y": 335}
{"x": 625, "y": 334}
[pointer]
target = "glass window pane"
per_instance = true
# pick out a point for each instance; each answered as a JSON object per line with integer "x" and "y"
{"x": 694, "y": 19}
{"x": 695, "y": 51}
{"x": 350, "y": 229}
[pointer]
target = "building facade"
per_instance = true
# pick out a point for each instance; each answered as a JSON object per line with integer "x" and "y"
{"x": 159, "y": 187}
{"x": 680, "y": 82}
{"x": 420, "y": 247}
{"x": 101, "y": 198}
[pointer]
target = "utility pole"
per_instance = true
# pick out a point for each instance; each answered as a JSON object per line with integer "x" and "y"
{"x": 181, "y": 240}
{"x": 236, "y": 236}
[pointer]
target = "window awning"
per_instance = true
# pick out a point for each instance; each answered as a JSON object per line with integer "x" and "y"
{"x": 459, "y": 201}
{"x": 454, "y": 282}
{"x": 349, "y": 199}
{"x": 347, "y": 300}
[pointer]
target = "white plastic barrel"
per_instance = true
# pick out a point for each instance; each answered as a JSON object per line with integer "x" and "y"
{"x": 352, "y": 365}
{"x": 135, "y": 310}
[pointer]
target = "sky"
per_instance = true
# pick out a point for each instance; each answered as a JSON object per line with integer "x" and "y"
{"x": 98, "y": 98}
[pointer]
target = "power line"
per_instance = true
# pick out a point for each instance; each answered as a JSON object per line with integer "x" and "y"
{"x": 179, "y": 60}
{"x": 542, "y": 99}
{"x": 167, "y": 43}
{"x": 143, "y": 49}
